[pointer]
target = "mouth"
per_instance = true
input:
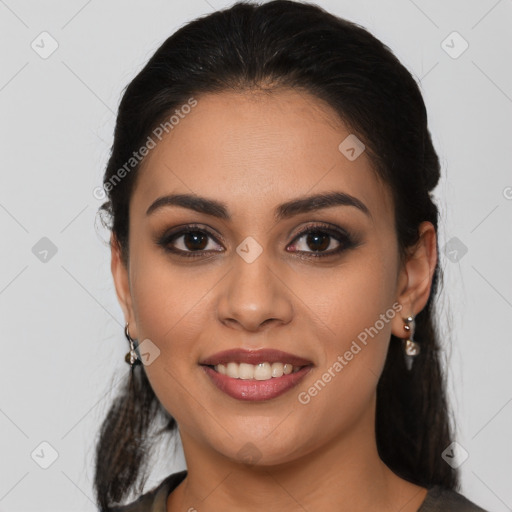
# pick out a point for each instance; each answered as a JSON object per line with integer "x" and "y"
{"x": 256, "y": 375}
{"x": 261, "y": 371}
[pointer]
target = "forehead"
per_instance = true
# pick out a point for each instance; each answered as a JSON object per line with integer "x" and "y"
{"x": 254, "y": 150}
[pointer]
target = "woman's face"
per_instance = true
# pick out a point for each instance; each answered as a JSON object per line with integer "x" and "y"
{"x": 247, "y": 278}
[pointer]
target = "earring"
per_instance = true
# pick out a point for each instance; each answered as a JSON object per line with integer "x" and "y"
{"x": 131, "y": 357}
{"x": 411, "y": 347}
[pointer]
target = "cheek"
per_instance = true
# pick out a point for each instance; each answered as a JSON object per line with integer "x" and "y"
{"x": 351, "y": 299}
{"x": 165, "y": 294}
{"x": 338, "y": 311}
{"x": 173, "y": 306}
{"x": 359, "y": 313}
{"x": 170, "y": 305}
{"x": 170, "y": 311}
{"x": 356, "y": 308}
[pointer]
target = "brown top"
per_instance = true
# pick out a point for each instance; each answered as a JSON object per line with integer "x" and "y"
{"x": 436, "y": 500}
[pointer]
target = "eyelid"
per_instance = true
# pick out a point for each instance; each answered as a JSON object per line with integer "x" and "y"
{"x": 320, "y": 225}
{"x": 343, "y": 237}
{"x": 183, "y": 229}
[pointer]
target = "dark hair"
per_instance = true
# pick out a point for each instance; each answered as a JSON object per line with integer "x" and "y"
{"x": 286, "y": 44}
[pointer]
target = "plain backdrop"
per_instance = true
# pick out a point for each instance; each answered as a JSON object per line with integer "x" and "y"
{"x": 62, "y": 341}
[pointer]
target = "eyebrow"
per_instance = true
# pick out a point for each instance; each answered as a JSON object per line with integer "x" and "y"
{"x": 284, "y": 211}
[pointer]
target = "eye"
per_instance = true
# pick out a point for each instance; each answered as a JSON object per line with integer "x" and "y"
{"x": 322, "y": 240}
{"x": 196, "y": 241}
{"x": 190, "y": 240}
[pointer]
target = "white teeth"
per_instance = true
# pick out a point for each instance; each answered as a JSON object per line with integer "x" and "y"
{"x": 245, "y": 371}
{"x": 277, "y": 370}
{"x": 232, "y": 370}
{"x": 287, "y": 368}
{"x": 261, "y": 371}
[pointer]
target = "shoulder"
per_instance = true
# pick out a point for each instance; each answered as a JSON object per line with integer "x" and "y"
{"x": 439, "y": 499}
{"x": 156, "y": 499}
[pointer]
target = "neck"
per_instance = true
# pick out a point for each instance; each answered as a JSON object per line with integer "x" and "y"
{"x": 345, "y": 473}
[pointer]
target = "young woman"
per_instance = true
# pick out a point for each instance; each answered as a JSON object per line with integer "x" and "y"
{"x": 274, "y": 251}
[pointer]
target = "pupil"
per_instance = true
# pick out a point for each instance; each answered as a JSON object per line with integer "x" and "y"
{"x": 313, "y": 238}
{"x": 196, "y": 237}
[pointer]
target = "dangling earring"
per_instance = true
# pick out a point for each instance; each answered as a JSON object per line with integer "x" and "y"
{"x": 131, "y": 357}
{"x": 411, "y": 347}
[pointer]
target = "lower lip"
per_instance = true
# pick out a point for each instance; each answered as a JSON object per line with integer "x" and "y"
{"x": 256, "y": 390}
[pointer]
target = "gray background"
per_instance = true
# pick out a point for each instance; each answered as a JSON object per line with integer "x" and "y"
{"x": 62, "y": 329}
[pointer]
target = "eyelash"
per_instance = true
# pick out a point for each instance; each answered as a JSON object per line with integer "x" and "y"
{"x": 345, "y": 240}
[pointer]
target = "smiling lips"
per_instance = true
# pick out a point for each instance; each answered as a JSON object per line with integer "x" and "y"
{"x": 255, "y": 375}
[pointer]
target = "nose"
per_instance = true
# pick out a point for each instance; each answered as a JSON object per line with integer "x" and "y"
{"x": 254, "y": 296}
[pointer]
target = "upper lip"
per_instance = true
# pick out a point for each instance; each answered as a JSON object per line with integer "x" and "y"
{"x": 265, "y": 355}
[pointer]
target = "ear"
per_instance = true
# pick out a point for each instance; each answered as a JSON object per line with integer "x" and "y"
{"x": 415, "y": 279}
{"x": 122, "y": 284}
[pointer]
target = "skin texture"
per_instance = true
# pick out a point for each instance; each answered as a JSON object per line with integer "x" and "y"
{"x": 254, "y": 151}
